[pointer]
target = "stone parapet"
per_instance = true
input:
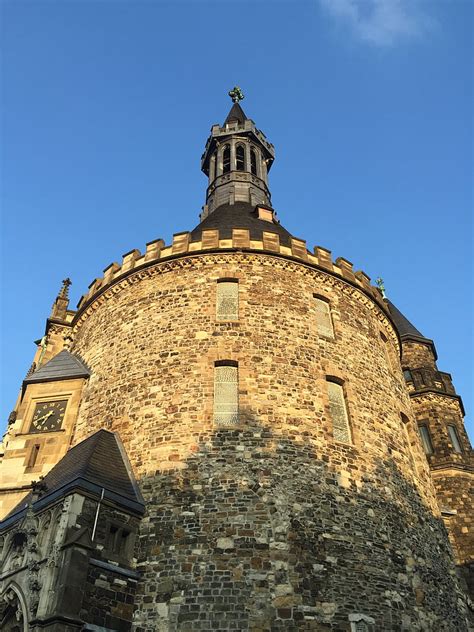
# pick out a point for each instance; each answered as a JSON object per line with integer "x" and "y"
{"x": 211, "y": 240}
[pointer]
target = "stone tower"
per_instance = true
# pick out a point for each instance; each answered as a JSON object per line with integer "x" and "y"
{"x": 227, "y": 428}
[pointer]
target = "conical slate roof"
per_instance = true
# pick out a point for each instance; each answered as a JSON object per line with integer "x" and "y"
{"x": 406, "y": 329}
{"x": 239, "y": 215}
{"x": 64, "y": 366}
{"x": 99, "y": 462}
{"x": 404, "y": 326}
{"x": 236, "y": 113}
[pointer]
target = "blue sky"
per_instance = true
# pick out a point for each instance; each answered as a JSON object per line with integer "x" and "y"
{"x": 106, "y": 107}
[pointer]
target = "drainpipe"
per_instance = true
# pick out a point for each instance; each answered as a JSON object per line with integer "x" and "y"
{"x": 97, "y": 514}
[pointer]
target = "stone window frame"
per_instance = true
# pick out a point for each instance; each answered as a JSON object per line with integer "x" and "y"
{"x": 254, "y": 163}
{"x": 410, "y": 438}
{"x": 387, "y": 352}
{"x": 226, "y": 166}
{"x": 218, "y": 364}
{"x": 428, "y": 447}
{"x": 244, "y": 157}
{"x": 361, "y": 622}
{"x": 335, "y": 379}
{"x": 222, "y": 280}
{"x": 325, "y": 299}
{"x": 452, "y": 431}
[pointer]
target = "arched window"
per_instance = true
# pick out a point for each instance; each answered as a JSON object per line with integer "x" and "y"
{"x": 240, "y": 157}
{"x": 226, "y": 159}
{"x": 253, "y": 162}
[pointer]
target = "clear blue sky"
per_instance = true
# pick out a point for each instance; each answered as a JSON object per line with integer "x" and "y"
{"x": 106, "y": 107}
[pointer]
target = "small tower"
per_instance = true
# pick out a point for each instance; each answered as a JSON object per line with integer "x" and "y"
{"x": 237, "y": 159}
{"x": 439, "y": 414}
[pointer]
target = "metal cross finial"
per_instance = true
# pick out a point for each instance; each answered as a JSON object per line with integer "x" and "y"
{"x": 381, "y": 286}
{"x": 65, "y": 288}
{"x": 236, "y": 94}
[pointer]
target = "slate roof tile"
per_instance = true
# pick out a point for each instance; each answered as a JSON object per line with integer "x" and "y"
{"x": 63, "y": 366}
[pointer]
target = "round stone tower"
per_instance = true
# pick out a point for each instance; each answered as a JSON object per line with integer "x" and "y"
{"x": 258, "y": 392}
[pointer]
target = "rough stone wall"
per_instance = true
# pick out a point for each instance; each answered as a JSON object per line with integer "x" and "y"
{"x": 452, "y": 472}
{"x": 272, "y": 524}
{"x": 417, "y": 354}
{"x": 455, "y": 491}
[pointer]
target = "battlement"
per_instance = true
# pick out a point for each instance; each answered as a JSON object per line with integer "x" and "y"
{"x": 211, "y": 240}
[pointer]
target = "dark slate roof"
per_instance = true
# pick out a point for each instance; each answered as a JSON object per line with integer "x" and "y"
{"x": 239, "y": 215}
{"x": 236, "y": 113}
{"x": 404, "y": 326}
{"x": 63, "y": 366}
{"x": 99, "y": 462}
{"x": 406, "y": 329}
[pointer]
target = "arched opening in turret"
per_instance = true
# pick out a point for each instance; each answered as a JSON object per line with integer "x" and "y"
{"x": 240, "y": 157}
{"x": 226, "y": 159}
{"x": 253, "y": 162}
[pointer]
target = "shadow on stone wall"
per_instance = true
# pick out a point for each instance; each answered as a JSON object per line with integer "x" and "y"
{"x": 260, "y": 531}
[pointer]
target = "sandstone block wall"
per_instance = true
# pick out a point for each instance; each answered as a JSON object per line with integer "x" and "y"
{"x": 269, "y": 525}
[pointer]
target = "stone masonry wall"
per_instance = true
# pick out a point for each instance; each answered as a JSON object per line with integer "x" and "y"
{"x": 271, "y": 525}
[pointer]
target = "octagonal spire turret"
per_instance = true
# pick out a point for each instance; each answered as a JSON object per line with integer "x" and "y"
{"x": 237, "y": 159}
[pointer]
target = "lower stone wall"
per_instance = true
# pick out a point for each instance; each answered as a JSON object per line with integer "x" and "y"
{"x": 455, "y": 491}
{"x": 258, "y": 532}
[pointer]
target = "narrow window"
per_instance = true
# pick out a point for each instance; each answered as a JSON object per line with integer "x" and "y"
{"x": 405, "y": 422}
{"x": 227, "y": 303}
{"x": 253, "y": 162}
{"x": 240, "y": 157}
{"x": 388, "y": 355}
{"x": 426, "y": 439}
{"x": 323, "y": 317}
{"x": 407, "y": 375}
{"x": 226, "y": 399}
{"x": 454, "y": 438}
{"x": 33, "y": 455}
{"x": 226, "y": 159}
{"x": 338, "y": 410}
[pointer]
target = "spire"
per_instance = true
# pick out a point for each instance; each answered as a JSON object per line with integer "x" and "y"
{"x": 236, "y": 115}
{"x": 237, "y": 159}
{"x": 64, "y": 291}
{"x": 60, "y": 305}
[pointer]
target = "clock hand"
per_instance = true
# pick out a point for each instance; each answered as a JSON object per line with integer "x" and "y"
{"x": 45, "y": 417}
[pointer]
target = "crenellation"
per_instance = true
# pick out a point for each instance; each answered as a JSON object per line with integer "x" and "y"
{"x": 240, "y": 238}
{"x": 209, "y": 239}
{"x": 298, "y": 249}
{"x": 181, "y": 242}
{"x": 153, "y": 249}
{"x": 129, "y": 259}
{"x": 271, "y": 241}
{"x": 346, "y": 268}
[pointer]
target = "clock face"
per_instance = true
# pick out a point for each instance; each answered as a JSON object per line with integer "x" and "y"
{"x": 48, "y": 416}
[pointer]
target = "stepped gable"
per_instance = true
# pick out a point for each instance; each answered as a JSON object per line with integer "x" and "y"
{"x": 240, "y": 215}
{"x": 64, "y": 366}
{"x": 99, "y": 462}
